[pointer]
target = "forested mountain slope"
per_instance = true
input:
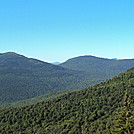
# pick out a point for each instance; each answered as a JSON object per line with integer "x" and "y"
{"x": 24, "y": 78}
{"x": 80, "y": 112}
{"x": 34, "y": 100}
{"x": 102, "y": 67}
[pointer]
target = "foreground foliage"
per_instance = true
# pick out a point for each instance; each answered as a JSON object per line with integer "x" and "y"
{"x": 124, "y": 122}
{"x": 81, "y": 112}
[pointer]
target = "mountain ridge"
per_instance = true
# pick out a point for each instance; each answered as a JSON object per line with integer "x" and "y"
{"x": 25, "y": 78}
{"x": 98, "y": 65}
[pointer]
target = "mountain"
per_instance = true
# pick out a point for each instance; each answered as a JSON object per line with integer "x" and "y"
{"x": 24, "y": 78}
{"x": 91, "y": 110}
{"x": 56, "y": 63}
{"x": 101, "y": 67}
{"x": 34, "y": 100}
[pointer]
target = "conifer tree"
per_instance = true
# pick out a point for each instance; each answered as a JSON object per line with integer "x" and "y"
{"x": 124, "y": 123}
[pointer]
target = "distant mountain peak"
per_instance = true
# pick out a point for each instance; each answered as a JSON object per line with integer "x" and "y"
{"x": 11, "y": 54}
{"x": 55, "y": 63}
{"x": 87, "y": 57}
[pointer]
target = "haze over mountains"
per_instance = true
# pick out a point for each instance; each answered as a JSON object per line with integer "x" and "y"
{"x": 56, "y": 63}
{"x": 24, "y": 78}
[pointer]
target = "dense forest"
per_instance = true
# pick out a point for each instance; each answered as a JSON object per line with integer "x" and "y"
{"x": 101, "y": 67}
{"x": 24, "y": 78}
{"x": 89, "y": 111}
{"x": 34, "y": 100}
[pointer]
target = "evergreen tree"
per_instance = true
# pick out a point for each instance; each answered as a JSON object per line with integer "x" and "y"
{"x": 124, "y": 123}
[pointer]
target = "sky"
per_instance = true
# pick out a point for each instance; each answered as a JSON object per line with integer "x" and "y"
{"x": 56, "y": 30}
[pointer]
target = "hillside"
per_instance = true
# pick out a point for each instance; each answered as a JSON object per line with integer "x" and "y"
{"x": 34, "y": 100}
{"x": 101, "y": 67}
{"x": 24, "y": 78}
{"x": 81, "y": 112}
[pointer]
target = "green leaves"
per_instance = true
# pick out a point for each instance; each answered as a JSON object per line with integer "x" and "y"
{"x": 85, "y": 111}
{"x": 124, "y": 123}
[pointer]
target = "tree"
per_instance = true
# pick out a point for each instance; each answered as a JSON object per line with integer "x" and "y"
{"x": 124, "y": 123}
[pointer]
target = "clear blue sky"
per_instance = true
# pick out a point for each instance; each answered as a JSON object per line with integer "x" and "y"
{"x": 55, "y": 30}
